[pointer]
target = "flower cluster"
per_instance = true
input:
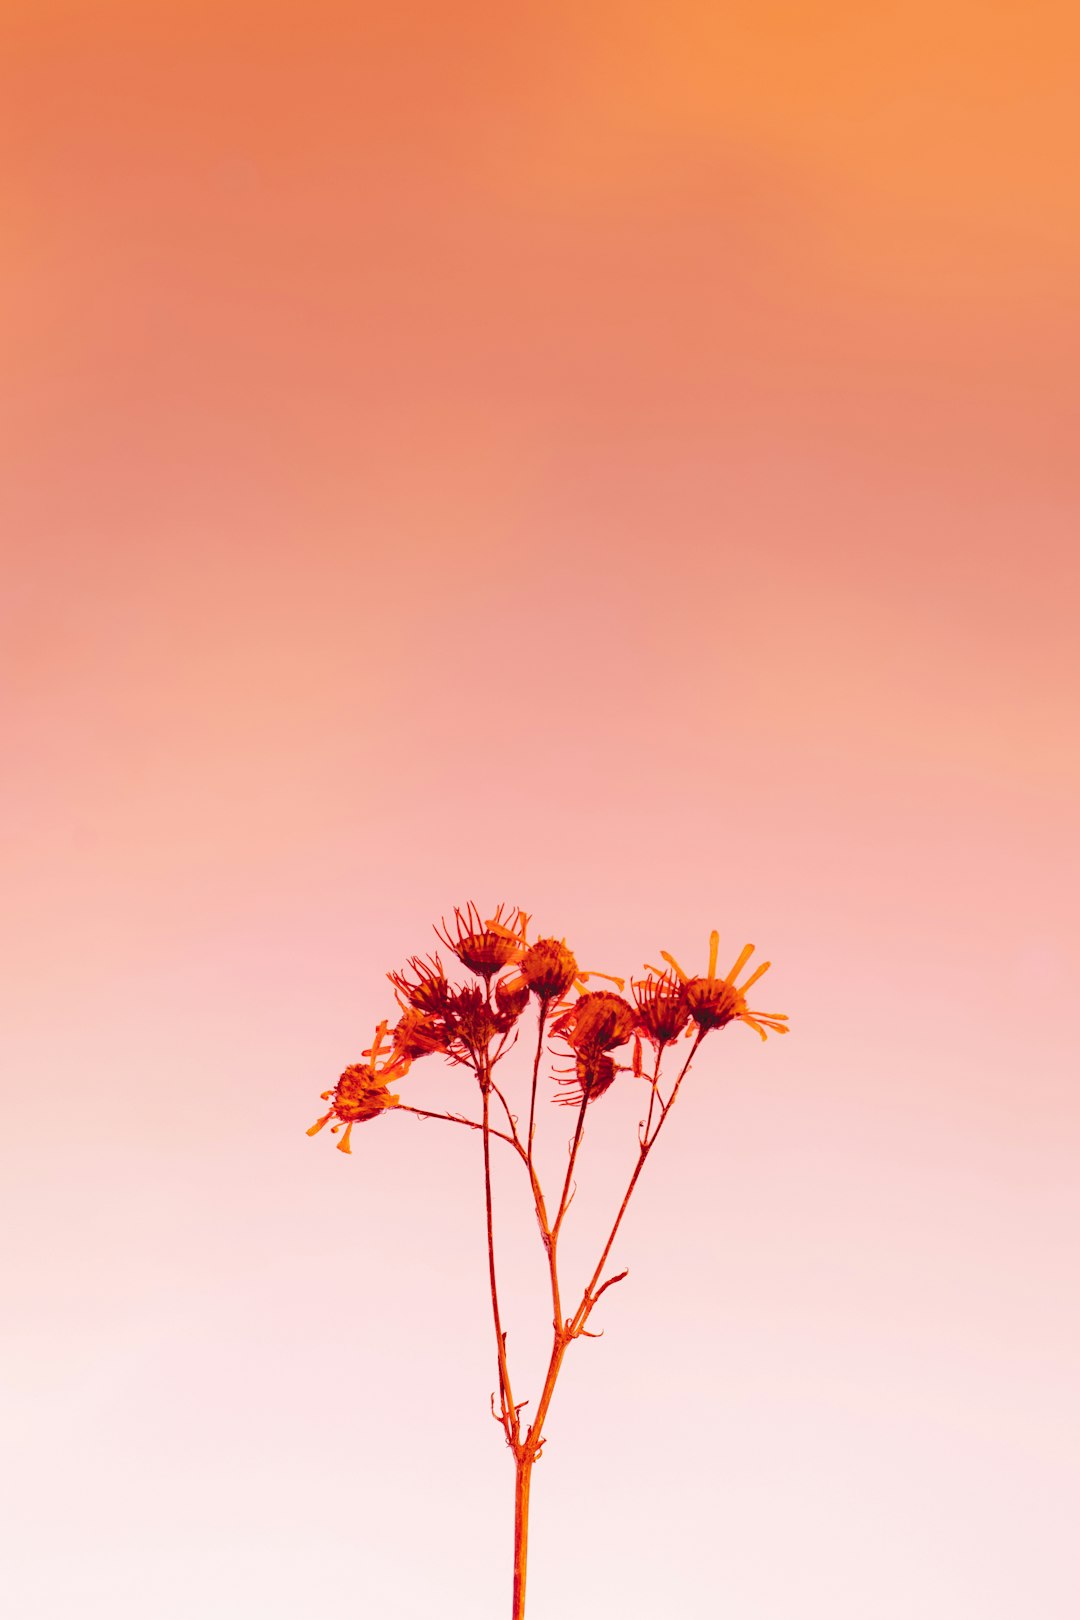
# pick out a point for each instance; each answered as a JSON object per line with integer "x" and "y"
{"x": 471, "y": 1023}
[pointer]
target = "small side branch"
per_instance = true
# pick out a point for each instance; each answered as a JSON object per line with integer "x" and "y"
{"x": 511, "y": 1120}
{"x": 618, "y": 1277}
{"x": 459, "y": 1119}
{"x": 579, "y": 1330}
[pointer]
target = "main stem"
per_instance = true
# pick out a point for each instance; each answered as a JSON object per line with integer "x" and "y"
{"x": 527, "y": 1449}
{"x": 522, "y": 1475}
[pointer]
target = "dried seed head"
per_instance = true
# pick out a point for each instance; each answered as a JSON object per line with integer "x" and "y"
{"x": 596, "y": 1022}
{"x": 428, "y": 991}
{"x": 361, "y": 1092}
{"x": 662, "y": 1009}
{"x": 484, "y": 948}
{"x": 715, "y": 1000}
{"x": 592, "y": 1074}
{"x": 471, "y": 1021}
{"x": 712, "y": 1003}
{"x": 511, "y": 998}
{"x": 416, "y": 1034}
{"x": 548, "y": 968}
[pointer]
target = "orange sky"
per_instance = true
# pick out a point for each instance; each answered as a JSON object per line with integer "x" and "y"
{"x": 620, "y": 460}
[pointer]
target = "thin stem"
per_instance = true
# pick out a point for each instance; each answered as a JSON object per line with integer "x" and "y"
{"x": 535, "y": 1075}
{"x": 459, "y": 1119}
{"x": 510, "y": 1417}
{"x": 565, "y": 1332}
{"x": 652, "y": 1094}
{"x": 588, "y": 1299}
{"x": 510, "y": 1120}
{"x": 563, "y": 1204}
{"x": 546, "y": 1233}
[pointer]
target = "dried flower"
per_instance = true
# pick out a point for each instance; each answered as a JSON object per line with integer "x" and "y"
{"x": 662, "y": 1009}
{"x": 714, "y": 1001}
{"x": 590, "y": 1077}
{"x": 511, "y": 998}
{"x": 595, "y": 1022}
{"x": 471, "y": 1021}
{"x": 548, "y": 968}
{"x": 416, "y": 1034}
{"x": 429, "y": 991}
{"x": 484, "y": 948}
{"x": 361, "y": 1093}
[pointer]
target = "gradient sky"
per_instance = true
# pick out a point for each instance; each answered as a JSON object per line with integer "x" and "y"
{"x": 620, "y": 460}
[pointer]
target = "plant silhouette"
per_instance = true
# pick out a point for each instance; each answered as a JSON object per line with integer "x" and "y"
{"x": 472, "y": 1024}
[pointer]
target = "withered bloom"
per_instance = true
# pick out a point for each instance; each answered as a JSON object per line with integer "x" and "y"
{"x": 484, "y": 948}
{"x": 471, "y": 1021}
{"x": 416, "y": 1034}
{"x": 662, "y": 1008}
{"x": 362, "y": 1093}
{"x": 595, "y": 1022}
{"x": 428, "y": 991}
{"x": 714, "y": 1001}
{"x": 511, "y": 998}
{"x": 548, "y": 969}
{"x": 590, "y": 1077}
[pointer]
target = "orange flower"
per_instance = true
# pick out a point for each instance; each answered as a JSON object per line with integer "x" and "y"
{"x": 590, "y": 1077}
{"x": 416, "y": 1034}
{"x": 484, "y": 948}
{"x": 713, "y": 1001}
{"x": 548, "y": 969}
{"x": 595, "y": 1022}
{"x": 428, "y": 991}
{"x": 472, "y": 1024}
{"x": 662, "y": 1009}
{"x": 548, "y": 966}
{"x": 362, "y": 1093}
{"x": 511, "y": 998}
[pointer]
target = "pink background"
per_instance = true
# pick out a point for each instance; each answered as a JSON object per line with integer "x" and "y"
{"x": 620, "y": 460}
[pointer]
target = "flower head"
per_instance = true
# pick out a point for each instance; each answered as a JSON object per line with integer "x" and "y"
{"x": 362, "y": 1093}
{"x": 590, "y": 1077}
{"x": 662, "y": 1008}
{"x": 416, "y": 1034}
{"x": 428, "y": 990}
{"x": 714, "y": 1001}
{"x": 595, "y": 1022}
{"x": 482, "y": 947}
{"x": 548, "y": 968}
{"x": 473, "y": 1024}
{"x": 511, "y": 998}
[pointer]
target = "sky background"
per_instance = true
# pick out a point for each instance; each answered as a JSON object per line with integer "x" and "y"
{"x": 619, "y": 460}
